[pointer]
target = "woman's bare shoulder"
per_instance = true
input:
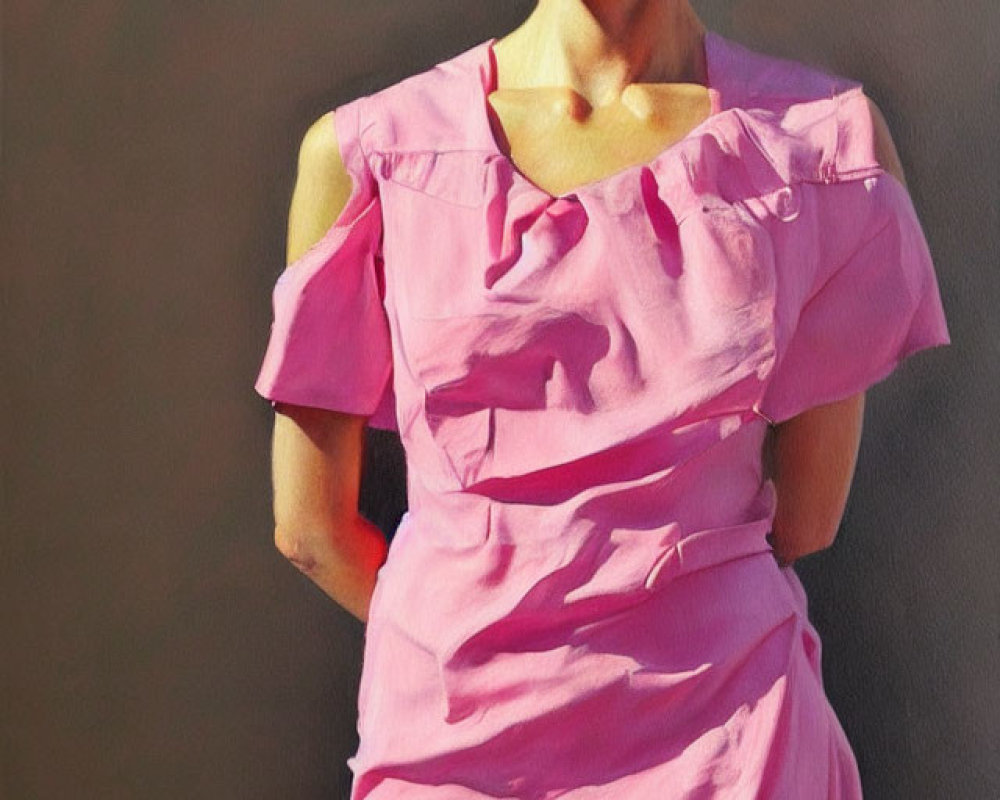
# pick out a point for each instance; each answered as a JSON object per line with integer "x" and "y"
{"x": 319, "y": 152}
{"x": 323, "y": 185}
{"x": 885, "y": 147}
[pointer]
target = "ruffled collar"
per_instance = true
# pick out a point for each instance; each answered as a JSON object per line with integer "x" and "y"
{"x": 808, "y": 123}
{"x": 528, "y": 227}
{"x": 773, "y": 123}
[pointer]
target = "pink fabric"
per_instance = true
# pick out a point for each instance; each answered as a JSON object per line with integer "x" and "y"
{"x": 580, "y": 601}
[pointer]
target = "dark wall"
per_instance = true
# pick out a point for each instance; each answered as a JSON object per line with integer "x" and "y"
{"x": 156, "y": 645}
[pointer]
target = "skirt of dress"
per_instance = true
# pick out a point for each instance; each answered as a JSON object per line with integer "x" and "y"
{"x": 711, "y": 689}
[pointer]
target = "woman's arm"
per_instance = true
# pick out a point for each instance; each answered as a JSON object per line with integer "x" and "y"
{"x": 812, "y": 456}
{"x": 317, "y": 453}
{"x": 812, "y": 459}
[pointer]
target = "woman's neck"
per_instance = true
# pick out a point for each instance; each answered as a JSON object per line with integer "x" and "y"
{"x": 599, "y": 47}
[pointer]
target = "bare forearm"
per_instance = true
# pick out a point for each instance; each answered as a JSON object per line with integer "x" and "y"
{"x": 343, "y": 564}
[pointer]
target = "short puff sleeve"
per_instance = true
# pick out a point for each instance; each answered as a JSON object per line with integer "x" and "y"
{"x": 866, "y": 305}
{"x": 330, "y": 344}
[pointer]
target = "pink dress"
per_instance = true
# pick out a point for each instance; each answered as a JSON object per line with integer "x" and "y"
{"x": 580, "y": 602}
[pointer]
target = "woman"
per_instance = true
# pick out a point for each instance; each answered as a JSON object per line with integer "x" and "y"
{"x": 629, "y": 380}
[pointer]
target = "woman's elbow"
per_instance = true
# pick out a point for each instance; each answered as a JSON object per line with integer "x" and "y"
{"x": 805, "y": 541}
{"x": 827, "y": 535}
{"x": 296, "y": 548}
{"x": 302, "y": 544}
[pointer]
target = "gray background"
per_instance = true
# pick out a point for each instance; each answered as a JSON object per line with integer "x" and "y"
{"x": 155, "y": 644}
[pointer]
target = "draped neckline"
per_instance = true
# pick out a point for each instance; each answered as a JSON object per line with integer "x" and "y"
{"x": 488, "y": 83}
